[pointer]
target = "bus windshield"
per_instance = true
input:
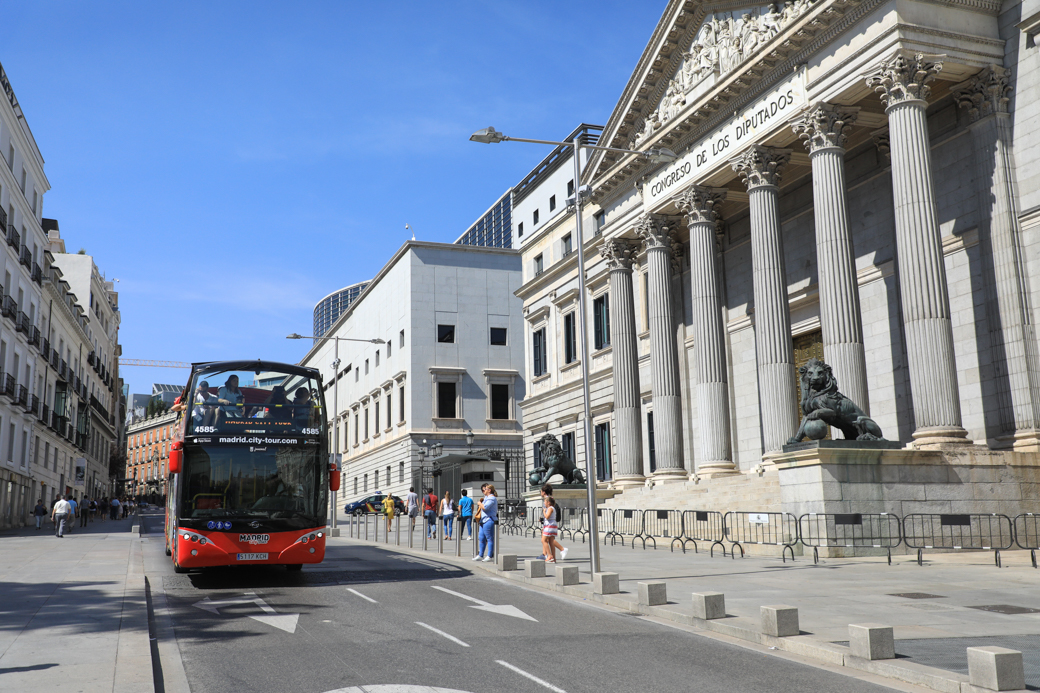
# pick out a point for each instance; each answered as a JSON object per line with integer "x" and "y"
{"x": 269, "y": 482}
{"x": 267, "y": 402}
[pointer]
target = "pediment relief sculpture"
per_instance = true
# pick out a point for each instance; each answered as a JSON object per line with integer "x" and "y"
{"x": 724, "y": 41}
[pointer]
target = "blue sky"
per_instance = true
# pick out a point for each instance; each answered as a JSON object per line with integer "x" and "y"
{"x": 233, "y": 162}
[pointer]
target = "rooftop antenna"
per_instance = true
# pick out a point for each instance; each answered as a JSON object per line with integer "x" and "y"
{"x": 409, "y": 228}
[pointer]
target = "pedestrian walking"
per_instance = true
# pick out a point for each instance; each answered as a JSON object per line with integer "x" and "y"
{"x": 103, "y": 508}
{"x": 388, "y": 510}
{"x": 59, "y": 514}
{"x": 125, "y": 507}
{"x": 549, "y": 529}
{"x": 93, "y": 509}
{"x": 466, "y": 515}
{"x": 447, "y": 514}
{"x": 114, "y": 508}
{"x": 70, "y": 522}
{"x": 39, "y": 512}
{"x": 84, "y": 506}
{"x": 430, "y": 513}
{"x": 554, "y": 538}
{"x": 488, "y": 520}
{"x": 412, "y": 504}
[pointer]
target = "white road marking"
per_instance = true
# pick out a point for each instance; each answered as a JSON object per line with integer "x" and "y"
{"x": 286, "y": 622}
{"x": 441, "y": 633}
{"x": 504, "y": 609}
{"x": 367, "y": 599}
{"x": 534, "y": 678}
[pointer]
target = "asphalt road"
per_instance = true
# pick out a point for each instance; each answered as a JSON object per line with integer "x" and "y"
{"x": 369, "y": 616}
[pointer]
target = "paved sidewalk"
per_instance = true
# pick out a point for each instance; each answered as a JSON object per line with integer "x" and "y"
{"x": 73, "y": 612}
{"x": 933, "y": 624}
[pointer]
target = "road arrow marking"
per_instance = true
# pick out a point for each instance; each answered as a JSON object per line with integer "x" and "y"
{"x": 504, "y": 609}
{"x": 286, "y": 622}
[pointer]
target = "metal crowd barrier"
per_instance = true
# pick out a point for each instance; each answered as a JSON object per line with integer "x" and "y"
{"x": 583, "y": 530}
{"x": 988, "y": 532}
{"x": 628, "y": 523}
{"x": 701, "y": 525}
{"x": 605, "y": 524}
{"x": 769, "y": 529}
{"x": 570, "y": 522}
{"x": 850, "y": 530}
{"x": 1027, "y": 533}
{"x": 666, "y": 524}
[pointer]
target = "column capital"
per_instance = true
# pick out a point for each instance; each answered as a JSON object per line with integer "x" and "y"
{"x": 904, "y": 78}
{"x": 619, "y": 253}
{"x": 986, "y": 93}
{"x": 882, "y": 141}
{"x": 825, "y": 126}
{"x": 760, "y": 166}
{"x": 700, "y": 205}
{"x": 658, "y": 232}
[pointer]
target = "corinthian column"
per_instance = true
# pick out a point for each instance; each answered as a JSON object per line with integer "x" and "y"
{"x": 824, "y": 128}
{"x": 903, "y": 84}
{"x": 760, "y": 168}
{"x": 664, "y": 351}
{"x": 1011, "y": 330}
{"x": 700, "y": 207}
{"x": 619, "y": 255}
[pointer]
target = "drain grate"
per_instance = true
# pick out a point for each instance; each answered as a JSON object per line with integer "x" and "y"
{"x": 1006, "y": 609}
{"x": 917, "y": 595}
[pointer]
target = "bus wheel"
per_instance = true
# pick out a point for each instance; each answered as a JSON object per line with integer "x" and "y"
{"x": 294, "y": 566}
{"x": 168, "y": 552}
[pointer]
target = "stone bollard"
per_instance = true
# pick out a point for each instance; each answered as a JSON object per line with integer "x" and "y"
{"x": 996, "y": 668}
{"x": 872, "y": 641}
{"x": 507, "y": 561}
{"x": 534, "y": 568}
{"x": 653, "y": 593}
{"x": 780, "y": 621}
{"x": 605, "y": 583}
{"x": 566, "y": 575}
{"x": 709, "y": 605}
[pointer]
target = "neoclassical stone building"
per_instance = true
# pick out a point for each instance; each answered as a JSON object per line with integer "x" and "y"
{"x": 855, "y": 182}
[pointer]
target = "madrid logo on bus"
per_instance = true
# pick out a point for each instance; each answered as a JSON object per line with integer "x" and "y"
{"x": 254, "y": 538}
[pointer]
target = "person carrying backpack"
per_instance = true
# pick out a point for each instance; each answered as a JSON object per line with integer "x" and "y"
{"x": 430, "y": 513}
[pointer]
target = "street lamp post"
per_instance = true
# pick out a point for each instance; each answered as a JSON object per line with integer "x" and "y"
{"x": 491, "y": 136}
{"x": 335, "y": 407}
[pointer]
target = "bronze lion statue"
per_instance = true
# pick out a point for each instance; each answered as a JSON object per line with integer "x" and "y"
{"x": 554, "y": 461}
{"x": 824, "y": 406}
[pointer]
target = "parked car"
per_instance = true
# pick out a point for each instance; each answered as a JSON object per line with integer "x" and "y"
{"x": 372, "y": 504}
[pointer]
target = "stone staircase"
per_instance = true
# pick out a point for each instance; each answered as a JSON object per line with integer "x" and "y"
{"x": 746, "y": 491}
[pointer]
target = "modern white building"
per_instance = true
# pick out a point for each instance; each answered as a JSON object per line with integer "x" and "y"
{"x": 451, "y": 365}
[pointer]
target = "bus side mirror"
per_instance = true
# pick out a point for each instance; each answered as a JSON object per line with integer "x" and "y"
{"x": 333, "y": 478}
{"x": 176, "y": 457}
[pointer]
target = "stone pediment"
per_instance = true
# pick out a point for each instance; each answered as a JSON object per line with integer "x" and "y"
{"x": 726, "y": 39}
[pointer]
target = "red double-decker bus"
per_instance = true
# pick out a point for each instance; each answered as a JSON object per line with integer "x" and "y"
{"x": 249, "y": 468}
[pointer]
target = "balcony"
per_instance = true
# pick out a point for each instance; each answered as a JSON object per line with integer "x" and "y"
{"x": 25, "y": 257}
{"x": 45, "y": 349}
{"x": 9, "y": 308}
{"x": 96, "y": 405}
{"x": 63, "y": 370}
{"x": 77, "y": 384}
{"x": 3, "y": 219}
{"x": 59, "y": 423}
{"x": 22, "y": 324}
{"x": 13, "y": 239}
{"x": 34, "y": 336}
{"x": 37, "y": 274}
{"x": 9, "y": 385}
{"x": 91, "y": 359}
{"x": 55, "y": 359}
{"x": 45, "y": 415}
{"x": 23, "y": 396}
{"x": 34, "y": 404}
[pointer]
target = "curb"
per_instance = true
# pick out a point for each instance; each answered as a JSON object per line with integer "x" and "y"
{"x": 133, "y": 670}
{"x": 737, "y": 627}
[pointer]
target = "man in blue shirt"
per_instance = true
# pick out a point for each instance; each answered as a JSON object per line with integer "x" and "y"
{"x": 71, "y": 520}
{"x": 466, "y": 514}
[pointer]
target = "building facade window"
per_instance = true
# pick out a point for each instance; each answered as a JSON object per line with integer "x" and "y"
{"x": 650, "y": 440}
{"x": 552, "y": 203}
{"x": 500, "y": 401}
{"x": 400, "y": 472}
{"x": 401, "y": 342}
{"x": 539, "y": 265}
{"x": 566, "y": 246}
{"x": 498, "y": 336}
{"x": 520, "y": 229}
{"x": 376, "y": 419}
{"x": 389, "y": 410}
{"x": 570, "y": 347}
{"x": 446, "y": 334}
{"x": 570, "y": 187}
{"x": 567, "y": 443}
{"x": 540, "y": 360}
{"x": 355, "y": 429}
{"x": 446, "y": 395}
{"x": 366, "y": 483}
{"x": 400, "y": 403}
{"x": 601, "y": 321}
{"x": 602, "y": 438}
{"x": 366, "y": 423}
{"x": 534, "y": 218}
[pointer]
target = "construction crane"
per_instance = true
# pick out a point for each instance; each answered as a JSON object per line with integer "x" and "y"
{"x": 156, "y": 364}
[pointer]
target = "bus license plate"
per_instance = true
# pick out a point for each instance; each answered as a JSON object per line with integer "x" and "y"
{"x": 252, "y": 556}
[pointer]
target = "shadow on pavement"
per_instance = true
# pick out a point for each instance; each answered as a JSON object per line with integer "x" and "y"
{"x": 84, "y": 607}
